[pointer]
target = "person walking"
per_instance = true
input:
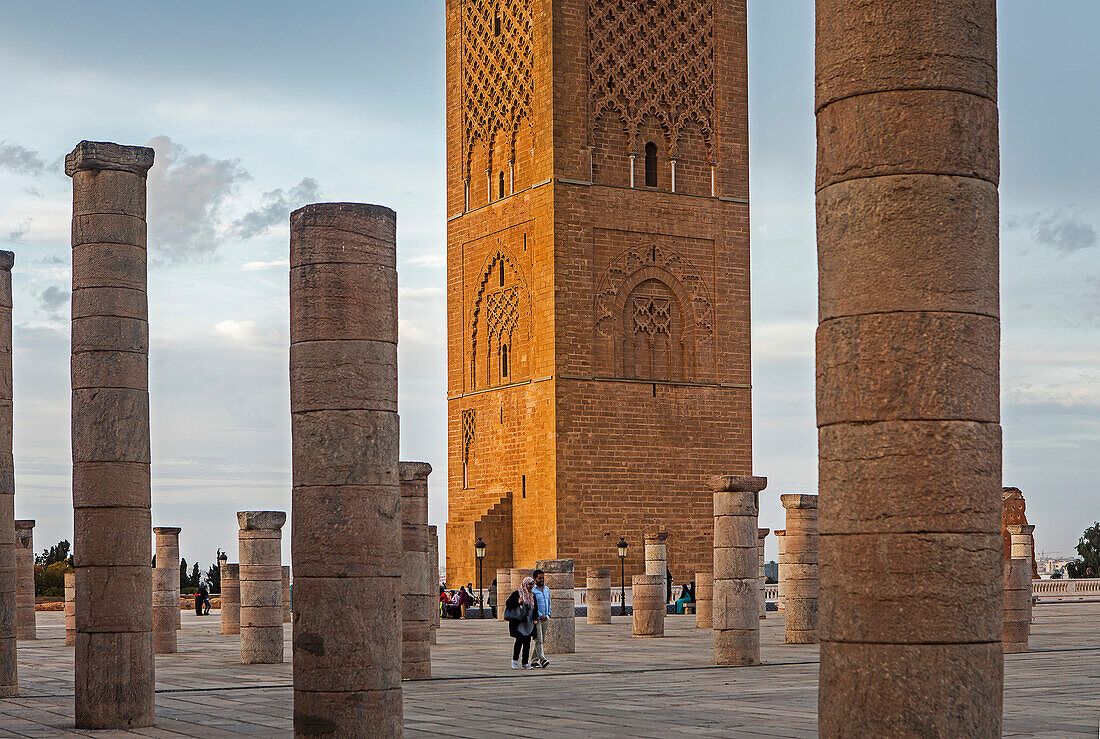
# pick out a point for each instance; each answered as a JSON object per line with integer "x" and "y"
{"x": 492, "y": 597}
{"x": 542, "y": 602}
{"x": 521, "y": 613}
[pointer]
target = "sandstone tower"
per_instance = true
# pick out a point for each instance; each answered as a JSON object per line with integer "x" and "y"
{"x": 597, "y": 277}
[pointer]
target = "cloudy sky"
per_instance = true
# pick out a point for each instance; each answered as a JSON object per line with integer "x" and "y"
{"x": 255, "y": 108}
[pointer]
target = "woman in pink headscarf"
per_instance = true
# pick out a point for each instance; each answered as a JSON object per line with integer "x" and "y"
{"x": 521, "y": 613}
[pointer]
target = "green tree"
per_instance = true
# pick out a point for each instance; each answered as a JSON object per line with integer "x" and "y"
{"x": 59, "y": 552}
{"x": 184, "y": 579}
{"x": 196, "y": 576}
{"x": 49, "y": 580}
{"x": 1088, "y": 547}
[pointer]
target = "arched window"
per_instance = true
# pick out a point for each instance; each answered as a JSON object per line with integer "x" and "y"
{"x": 503, "y": 361}
{"x": 651, "y": 164}
{"x": 501, "y": 185}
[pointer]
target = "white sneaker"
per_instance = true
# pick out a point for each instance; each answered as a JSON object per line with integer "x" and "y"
{"x": 528, "y": 667}
{"x": 515, "y": 664}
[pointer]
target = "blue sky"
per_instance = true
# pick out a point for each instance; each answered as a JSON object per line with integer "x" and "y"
{"x": 256, "y": 108}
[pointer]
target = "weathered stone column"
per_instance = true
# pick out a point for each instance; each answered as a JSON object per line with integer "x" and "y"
{"x": 656, "y": 557}
{"x": 1017, "y": 594}
{"x": 800, "y": 549}
{"x": 704, "y": 600}
{"x": 287, "y": 615}
{"x": 504, "y": 589}
{"x": 433, "y": 572}
{"x": 417, "y": 599}
{"x": 261, "y": 583}
{"x": 26, "y": 627}
{"x": 517, "y": 577}
{"x": 347, "y": 497}
{"x": 231, "y": 599}
{"x": 736, "y": 615}
{"x": 9, "y": 678}
{"x": 598, "y": 594}
{"x": 166, "y": 597}
{"x": 649, "y": 604}
{"x": 762, "y": 535}
{"x": 907, "y": 368}
{"x": 781, "y": 567}
{"x": 561, "y": 637}
{"x": 70, "y": 609}
{"x": 110, "y": 437}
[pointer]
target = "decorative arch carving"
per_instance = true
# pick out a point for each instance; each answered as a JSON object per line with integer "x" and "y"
{"x": 501, "y": 322}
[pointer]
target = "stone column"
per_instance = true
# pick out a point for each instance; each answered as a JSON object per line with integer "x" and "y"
{"x": 504, "y": 589}
{"x": 781, "y": 568}
{"x": 70, "y": 609}
{"x": 517, "y": 577}
{"x": 110, "y": 437}
{"x": 598, "y": 595}
{"x": 656, "y": 557}
{"x": 261, "y": 583}
{"x": 907, "y": 368}
{"x": 9, "y": 678}
{"x": 286, "y": 594}
{"x": 1017, "y": 593}
{"x": 736, "y": 615}
{"x": 24, "y": 581}
{"x": 231, "y": 599}
{"x": 417, "y": 599}
{"x": 561, "y": 637}
{"x": 762, "y": 535}
{"x": 433, "y": 578}
{"x": 704, "y": 600}
{"x": 649, "y": 604}
{"x": 166, "y": 598}
{"x": 800, "y": 549}
{"x": 347, "y": 497}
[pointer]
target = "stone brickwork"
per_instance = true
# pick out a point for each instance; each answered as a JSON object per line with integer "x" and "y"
{"x": 736, "y": 613}
{"x": 800, "y": 545}
{"x": 26, "y": 627}
{"x": 9, "y": 669}
{"x": 261, "y": 583}
{"x": 418, "y": 596}
{"x": 166, "y": 589}
{"x": 561, "y": 636}
{"x": 598, "y": 595}
{"x": 598, "y": 332}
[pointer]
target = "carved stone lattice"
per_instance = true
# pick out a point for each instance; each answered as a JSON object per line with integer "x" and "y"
{"x": 653, "y": 58}
{"x": 502, "y": 313}
{"x": 469, "y": 418}
{"x": 652, "y": 315}
{"x": 497, "y": 61}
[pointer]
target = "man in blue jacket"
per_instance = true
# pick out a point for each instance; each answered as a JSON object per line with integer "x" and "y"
{"x": 542, "y": 600}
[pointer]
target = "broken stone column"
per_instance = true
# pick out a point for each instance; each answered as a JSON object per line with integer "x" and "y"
{"x": 800, "y": 549}
{"x": 24, "y": 582}
{"x": 286, "y": 594}
{"x": 561, "y": 636}
{"x": 656, "y": 556}
{"x": 781, "y": 570}
{"x": 70, "y": 609}
{"x": 347, "y": 542}
{"x": 736, "y": 615}
{"x": 231, "y": 599}
{"x": 433, "y": 572}
{"x": 649, "y": 604}
{"x": 907, "y": 368}
{"x": 504, "y": 589}
{"x": 166, "y": 599}
{"x": 110, "y": 437}
{"x": 704, "y": 600}
{"x": 9, "y": 678}
{"x": 762, "y": 535}
{"x": 417, "y": 600}
{"x": 598, "y": 594}
{"x": 1018, "y": 595}
{"x": 261, "y": 584}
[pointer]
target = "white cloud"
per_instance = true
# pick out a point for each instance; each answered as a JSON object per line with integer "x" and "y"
{"x": 427, "y": 260}
{"x": 276, "y": 209}
{"x": 783, "y": 341}
{"x": 256, "y": 266}
{"x": 422, "y": 295}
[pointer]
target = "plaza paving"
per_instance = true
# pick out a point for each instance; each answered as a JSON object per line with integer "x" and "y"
{"x": 614, "y": 686}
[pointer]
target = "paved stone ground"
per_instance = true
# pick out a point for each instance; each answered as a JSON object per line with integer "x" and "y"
{"x": 614, "y": 686}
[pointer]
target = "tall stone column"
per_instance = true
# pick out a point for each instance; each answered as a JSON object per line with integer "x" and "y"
{"x": 504, "y": 589}
{"x": 261, "y": 583}
{"x": 656, "y": 557}
{"x": 800, "y": 549}
{"x": 704, "y": 600}
{"x": 433, "y": 572}
{"x": 287, "y": 615}
{"x": 781, "y": 570}
{"x": 1018, "y": 595}
{"x": 649, "y": 604}
{"x": 736, "y": 615}
{"x": 907, "y": 368}
{"x": 166, "y": 599}
{"x": 70, "y": 609}
{"x": 598, "y": 594}
{"x": 231, "y": 599}
{"x": 417, "y": 600}
{"x": 762, "y": 535}
{"x": 110, "y": 437}
{"x": 561, "y": 636}
{"x": 347, "y": 499}
{"x": 26, "y": 627}
{"x": 9, "y": 678}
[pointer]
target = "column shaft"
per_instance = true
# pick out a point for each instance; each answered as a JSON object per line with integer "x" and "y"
{"x": 286, "y": 594}
{"x": 762, "y": 535}
{"x": 433, "y": 572}
{"x": 114, "y": 682}
{"x": 25, "y": 621}
{"x": 70, "y": 609}
{"x": 800, "y": 549}
{"x": 1018, "y": 595}
{"x": 417, "y": 597}
{"x": 166, "y": 599}
{"x": 736, "y": 612}
{"x": 598, "y": 594}
{"x": 656, "y": 556}
{"x": 9, "y": 672}
{"x": 561, "y": 636}
{"x": 261, "y": 583}
{"x": 907, "y": 368}
{"x": 504, "y": 589}
{"x": 347, "y": 535}
{"x": 231, "y": 599}
{"x": 649, "y": 604}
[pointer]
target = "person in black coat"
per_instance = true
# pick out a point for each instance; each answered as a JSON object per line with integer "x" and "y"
{"x": 522, "y": 614}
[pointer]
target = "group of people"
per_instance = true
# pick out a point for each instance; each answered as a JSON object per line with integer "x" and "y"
{"x": 453, "y": 603}
{"x": 527, "y": 612}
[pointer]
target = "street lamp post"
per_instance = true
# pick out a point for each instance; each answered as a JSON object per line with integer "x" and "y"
{"x": 479, "y": 552}
{"x": 622, "y": 576}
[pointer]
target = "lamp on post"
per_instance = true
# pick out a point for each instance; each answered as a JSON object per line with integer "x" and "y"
{"x": 479, "y": 552}
{"x": 622, "y": 576}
